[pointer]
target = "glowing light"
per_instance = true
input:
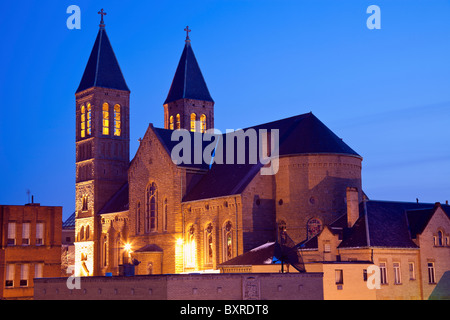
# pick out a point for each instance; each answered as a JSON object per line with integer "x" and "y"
{"x": 179, "y": 242}
{"x": 127, "y": 247}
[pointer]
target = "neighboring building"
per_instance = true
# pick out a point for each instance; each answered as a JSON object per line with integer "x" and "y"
{"x": 68, "y": 246}
{"x": 231, "y": 287}
{"x": 30, "y": 247}
{"x": 409, "y": 242}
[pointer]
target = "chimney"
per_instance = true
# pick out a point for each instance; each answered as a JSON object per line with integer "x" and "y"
{"x": 446, "y": 202}
{"x": 352, "y": 206}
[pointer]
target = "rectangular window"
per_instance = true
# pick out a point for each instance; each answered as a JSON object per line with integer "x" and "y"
{"x": 431, "y": 273}
{"x": 39, "y": 270}
{"x": 412, "y": 273}
{"x": 26, "y": 234}
{"x": 9, "y": 281}
{"x": 24, "y": 275}
{"x": 327, "y": 247}
{"x": 397, "y": 275}
{"x": 11, "y": 234}
{"x": 365, "y": 275}
{"x": 339, "y": 274}
{"x": 39, "y": 234}
{"x": 383, "y": 273}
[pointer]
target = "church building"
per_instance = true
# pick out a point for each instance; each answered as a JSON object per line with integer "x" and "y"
{"x": 171, "y": 217}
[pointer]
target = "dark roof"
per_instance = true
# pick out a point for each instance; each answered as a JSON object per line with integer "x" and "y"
{"x": 188, "y": 82}
{"x": 102, "y": 69}
{"x": 70, "y": 222}
{"x": 382, "y": 224}
{"x": 389, "y": 224}
{"x": 302, "y": 134}
{"x": 118, "y": 202}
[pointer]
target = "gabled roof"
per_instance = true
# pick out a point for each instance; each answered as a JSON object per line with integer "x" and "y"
{"x": 188, "y": 82}
{"x": 102, "y": 69}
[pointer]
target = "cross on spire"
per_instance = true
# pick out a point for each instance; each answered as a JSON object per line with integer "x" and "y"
{"x": 102, "y": 13}
{"x": 187, "y": 33}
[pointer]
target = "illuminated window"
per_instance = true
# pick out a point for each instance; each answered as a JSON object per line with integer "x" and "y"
{"x": 171, "y": 124}
{"x": 193, "y": 119}
{"x": 150, "y": 214}
{"x": 190, "y": 248}
{"x": 117, "y": 121}
{"x": 89, "y": 120}
{"x": 83, "y": 121}
{"x": 105, "y": 119}
{"x": 209, "y": 244}
{"x": 227, "y": 242}
{"x": 178, "y": 124}
{"x": 203, "y": 123}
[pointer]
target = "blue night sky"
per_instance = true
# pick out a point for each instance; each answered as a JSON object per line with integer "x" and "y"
{"x": 385, "y": 92}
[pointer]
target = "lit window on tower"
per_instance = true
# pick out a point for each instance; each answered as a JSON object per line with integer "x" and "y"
{"x": 178, "y": 126}
{"x": 89, "y": 120}
{"x": 117, "y": 121}
{"x": 193, "y": 119}
{"x": 203, "y": 123}
{"x": 83, "y": 121}
{"x": 105, "y": 119}
{"x": 171, "y": 124}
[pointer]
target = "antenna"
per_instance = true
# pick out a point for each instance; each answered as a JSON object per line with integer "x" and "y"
{"x": 28, "y": 194}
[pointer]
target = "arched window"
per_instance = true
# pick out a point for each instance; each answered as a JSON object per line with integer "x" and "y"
{"x": 84, "y": 205}
{"x": 165, "y": 215}
{"x": 89, "y": 119}
{"x": 171, "y": 124}
{"x": 81, "y": 233}
{"x": 150, "y": 214}
{"x": 87, "y": 233}
{"x": 83, "y": 122}
{"x": 209, "y": 244}
{"x": 440, "y": 239}
{"x": 203, "y": 123}
{"x": 193, "y": 120}
{"x": 105, "y": 119}
{"x": 105, "y": 251}
{"x": 178, "y": 124}
{"x": 117, "y": 121}
{"x": 138, "y": 218}
{"x": 227, "y": 242}
{"x": 314, "y": 227}
{"x": 190, "y": 248}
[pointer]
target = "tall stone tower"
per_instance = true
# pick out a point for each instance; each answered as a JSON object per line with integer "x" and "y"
{"x": 102, "y": 146}
{"x": 188, "y": 105}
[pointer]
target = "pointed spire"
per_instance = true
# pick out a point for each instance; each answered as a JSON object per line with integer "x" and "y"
{"x": 102, "y": 69}
{"x": 188, "y": 82}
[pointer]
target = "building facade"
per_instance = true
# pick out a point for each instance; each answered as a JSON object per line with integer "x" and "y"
{"x": 30, "y": 247}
